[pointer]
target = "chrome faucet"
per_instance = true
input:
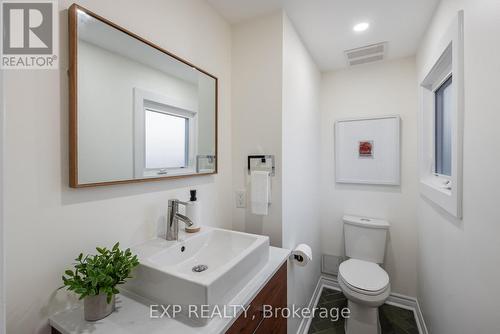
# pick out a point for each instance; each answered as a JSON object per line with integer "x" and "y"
{"x": 173, "y": 218}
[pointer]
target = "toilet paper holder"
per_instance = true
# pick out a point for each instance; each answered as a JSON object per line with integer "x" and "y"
{"x": 297, "y": 257}
{"x": 262, "y": 163}
{"x": 301, "y": 255}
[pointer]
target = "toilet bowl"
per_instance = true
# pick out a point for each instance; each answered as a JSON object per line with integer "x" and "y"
{"x": 366, "y": 287}
{"x": 364, "y": 283}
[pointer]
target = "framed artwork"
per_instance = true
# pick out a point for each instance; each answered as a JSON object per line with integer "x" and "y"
{"x": 367, "y": 150}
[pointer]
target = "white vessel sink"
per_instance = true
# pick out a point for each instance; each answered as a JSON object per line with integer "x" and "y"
{"x": 166, "y": 276}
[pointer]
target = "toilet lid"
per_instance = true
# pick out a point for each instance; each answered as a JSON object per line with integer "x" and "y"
{"x": 364, "y": 275}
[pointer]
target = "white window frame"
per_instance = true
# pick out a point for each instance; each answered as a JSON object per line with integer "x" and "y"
{"x": 443, "y": 190}
{"x": 143, "y": 100}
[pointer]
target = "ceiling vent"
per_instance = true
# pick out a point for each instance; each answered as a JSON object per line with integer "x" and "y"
{"x": 366, "y": 54}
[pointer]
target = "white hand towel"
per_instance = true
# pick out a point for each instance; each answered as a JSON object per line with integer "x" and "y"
{"x": 260, "y": 184}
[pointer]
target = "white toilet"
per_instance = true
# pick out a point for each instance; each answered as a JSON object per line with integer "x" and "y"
{"x": 364, "y": 283}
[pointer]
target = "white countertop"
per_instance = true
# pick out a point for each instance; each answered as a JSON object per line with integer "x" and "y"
{"x": 133, "y": 316}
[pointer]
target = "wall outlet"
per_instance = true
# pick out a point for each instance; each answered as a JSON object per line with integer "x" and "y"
{"x": 241, "y": 198}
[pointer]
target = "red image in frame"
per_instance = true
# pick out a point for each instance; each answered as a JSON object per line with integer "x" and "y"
{"x": 365, "y": 149}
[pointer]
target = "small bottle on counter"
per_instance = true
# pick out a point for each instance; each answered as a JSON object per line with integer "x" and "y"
{"x": 193, "y": 212}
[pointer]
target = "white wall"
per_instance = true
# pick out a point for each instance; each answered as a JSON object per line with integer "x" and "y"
{"x": 2, "y": 241}
{"x": 458, "y": 260}
{"x": 373, "y": 90}
{"x": 46, "y": 223}
{"x": 257, "y": 61}
{"x": 206, "y": 101}
{"x": 106, "y": 155}
{"x": 276, "y": 111}
{"x": 301, "y": 156}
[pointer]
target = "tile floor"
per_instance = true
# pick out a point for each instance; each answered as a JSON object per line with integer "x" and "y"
{"x": 393, "y": 320}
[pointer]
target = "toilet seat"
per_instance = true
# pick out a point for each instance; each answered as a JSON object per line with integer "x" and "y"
{"x": 364, "y": 277}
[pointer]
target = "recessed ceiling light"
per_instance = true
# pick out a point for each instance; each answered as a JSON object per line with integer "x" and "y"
{"x": 361, "y": 26}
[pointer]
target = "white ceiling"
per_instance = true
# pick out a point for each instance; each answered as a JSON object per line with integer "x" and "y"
{"x": 325, "y": 26}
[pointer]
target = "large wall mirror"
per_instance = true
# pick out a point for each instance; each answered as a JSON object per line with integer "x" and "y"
{"x": 137, "y": 112}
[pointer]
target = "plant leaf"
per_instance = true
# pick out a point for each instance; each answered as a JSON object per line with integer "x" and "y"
{"x": 100, "y": 273}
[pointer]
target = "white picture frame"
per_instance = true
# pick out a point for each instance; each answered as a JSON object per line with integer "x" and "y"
{"x": 367, "y": 150}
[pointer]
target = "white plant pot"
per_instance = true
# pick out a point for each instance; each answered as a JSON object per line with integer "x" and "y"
{"x": 97, "y": 308}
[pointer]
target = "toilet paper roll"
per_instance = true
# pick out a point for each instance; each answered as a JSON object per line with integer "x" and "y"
{"x": 302, "y": 254}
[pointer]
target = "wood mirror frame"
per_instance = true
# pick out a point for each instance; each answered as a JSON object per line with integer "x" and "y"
{"x": 73, "y": 102}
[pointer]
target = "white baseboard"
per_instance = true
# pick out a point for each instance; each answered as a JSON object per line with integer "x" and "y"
{"x": 395, "y": 299}
{"x": 420, "y": 319}
{"x": 306, "y": 322}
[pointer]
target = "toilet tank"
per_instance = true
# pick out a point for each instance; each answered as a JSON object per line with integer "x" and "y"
{"x": 365, "y": 238}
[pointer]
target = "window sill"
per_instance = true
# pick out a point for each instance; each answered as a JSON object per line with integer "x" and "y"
{"x": 172, "y": 172}
{"x": 438, "y": 184}
{"x": 433, "y": 188}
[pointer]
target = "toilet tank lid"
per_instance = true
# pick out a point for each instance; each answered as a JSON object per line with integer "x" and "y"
{"x": 366, "y": 222}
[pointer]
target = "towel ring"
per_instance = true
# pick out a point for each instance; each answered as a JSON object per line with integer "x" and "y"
{"x": 262, "y": 163}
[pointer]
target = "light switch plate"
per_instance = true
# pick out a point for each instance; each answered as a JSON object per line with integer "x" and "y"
{"x": 241, "y": 198}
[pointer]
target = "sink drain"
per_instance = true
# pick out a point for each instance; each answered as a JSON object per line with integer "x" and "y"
{"x": 199, "y": 268}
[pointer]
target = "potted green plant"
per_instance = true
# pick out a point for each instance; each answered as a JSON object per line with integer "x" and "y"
{"x": 95, "y": 278}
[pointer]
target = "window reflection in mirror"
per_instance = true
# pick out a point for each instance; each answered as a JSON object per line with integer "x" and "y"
{"x": 166, "y": 140}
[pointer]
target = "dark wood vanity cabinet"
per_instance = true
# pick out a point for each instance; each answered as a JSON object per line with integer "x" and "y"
{"x": 272, "y": 294}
